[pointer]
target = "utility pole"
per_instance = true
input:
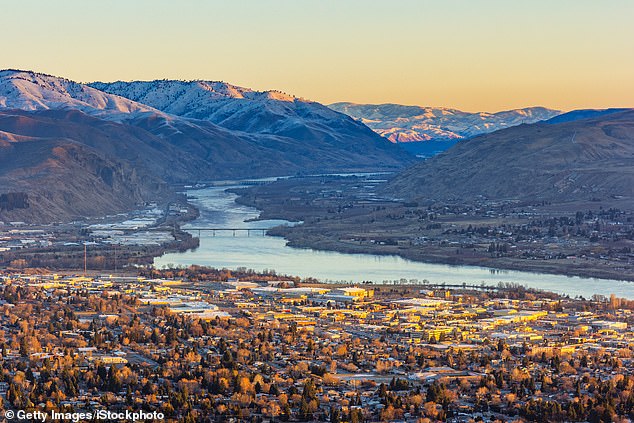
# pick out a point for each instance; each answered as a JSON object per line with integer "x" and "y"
{"x": 85, "y": 258}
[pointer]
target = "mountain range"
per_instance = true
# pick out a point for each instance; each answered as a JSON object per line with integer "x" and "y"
{"x": 70, "y": 150}
{"x": 587, "y": 156}
{"x": 438, "y": 127}
{"x": 114, "y": 152}
{"x": 240, "y": 109}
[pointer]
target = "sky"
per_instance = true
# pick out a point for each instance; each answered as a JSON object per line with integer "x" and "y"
{"x": 474, "y": 55}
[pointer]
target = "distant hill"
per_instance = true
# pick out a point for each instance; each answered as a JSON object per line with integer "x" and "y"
{"x": 583, "y": 114}
{"x": 577, "y": 160}
{"x": 57, "y": 136}
{"x": 413, "y": 124}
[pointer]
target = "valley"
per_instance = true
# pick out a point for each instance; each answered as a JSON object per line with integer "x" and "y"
{"x": 553, "y": 196}
{"x": 76, "y": 151}
{"x": 345, "y": 212}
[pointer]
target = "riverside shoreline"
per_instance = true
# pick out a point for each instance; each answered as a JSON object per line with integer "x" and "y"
{"x": 318, "y": 233}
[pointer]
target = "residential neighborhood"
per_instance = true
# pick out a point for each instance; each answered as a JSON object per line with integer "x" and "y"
{"x": 201, "y": 344}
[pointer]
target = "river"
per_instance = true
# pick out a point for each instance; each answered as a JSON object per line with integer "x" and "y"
{"x": 224, "y": 250}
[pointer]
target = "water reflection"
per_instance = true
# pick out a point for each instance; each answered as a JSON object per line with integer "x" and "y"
{"x": 218, "y": 209}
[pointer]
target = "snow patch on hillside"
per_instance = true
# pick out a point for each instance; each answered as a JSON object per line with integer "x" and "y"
{"x": 401, "y": 123}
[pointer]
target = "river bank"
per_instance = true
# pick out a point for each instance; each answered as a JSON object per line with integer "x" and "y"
{"x": 297, "y": 238}
{"x": 272, "y": 255}
{"x": 350, "y": 224}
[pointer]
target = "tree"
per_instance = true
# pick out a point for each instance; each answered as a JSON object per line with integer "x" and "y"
{"x": 304, "y": 411}
{"x": 335, "y": 415}
{"x": 356, "y": 416}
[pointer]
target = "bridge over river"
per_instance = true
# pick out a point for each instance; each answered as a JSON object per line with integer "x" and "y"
{"x": 257, "y": 231}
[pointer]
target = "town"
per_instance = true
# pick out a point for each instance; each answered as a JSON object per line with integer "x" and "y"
{"x": 130, "y": 239}
{"x": 198, "y": 344}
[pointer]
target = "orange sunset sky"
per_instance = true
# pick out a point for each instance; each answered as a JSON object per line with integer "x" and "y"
{"x": 475, "y": 55}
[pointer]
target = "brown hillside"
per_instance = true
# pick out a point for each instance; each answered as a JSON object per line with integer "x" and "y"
{"x": 580, "y": 160}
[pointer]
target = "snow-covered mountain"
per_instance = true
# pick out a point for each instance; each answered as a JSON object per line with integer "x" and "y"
{"x": 206, "y": 100}
{"x": 59, "y": 138}
{"x": 241, "y": 109}
{"x": 307, "y": 134}
{"x": 31, "y": 91}
{"x": 401, "y": 123}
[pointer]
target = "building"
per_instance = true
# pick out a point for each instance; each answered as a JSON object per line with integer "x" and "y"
{"x": 354, "y": 292}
